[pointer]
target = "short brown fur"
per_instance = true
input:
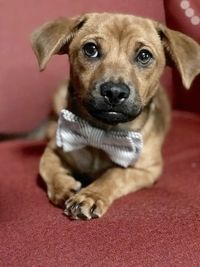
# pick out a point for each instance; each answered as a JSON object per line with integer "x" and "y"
{"x": 120, "y": 37}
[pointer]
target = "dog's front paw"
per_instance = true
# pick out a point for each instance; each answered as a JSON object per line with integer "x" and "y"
{"x": 62, "y": 188}
{"x": 86, "y": 205}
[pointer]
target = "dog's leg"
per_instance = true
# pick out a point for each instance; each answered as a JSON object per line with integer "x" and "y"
{"x": 94, "y": 200}
{"x": 60, "y": 184}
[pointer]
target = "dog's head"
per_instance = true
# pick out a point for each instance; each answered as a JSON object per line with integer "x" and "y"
{"x": 116, "y": 60}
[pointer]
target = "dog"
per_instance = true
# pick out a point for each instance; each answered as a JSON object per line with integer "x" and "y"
{"x": 116, "y": 61}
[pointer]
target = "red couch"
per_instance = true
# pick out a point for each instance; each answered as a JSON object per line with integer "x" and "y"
{"x": 154, "y": 227}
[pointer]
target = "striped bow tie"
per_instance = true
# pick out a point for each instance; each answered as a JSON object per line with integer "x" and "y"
{"x": 73, "y": 133}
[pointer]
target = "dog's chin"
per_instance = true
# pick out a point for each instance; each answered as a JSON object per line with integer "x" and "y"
{"x": 113, "y": 117}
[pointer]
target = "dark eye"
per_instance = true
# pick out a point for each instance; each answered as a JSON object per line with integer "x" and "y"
{"x": 144, "y": 57}
{"x": 91, "y": 50}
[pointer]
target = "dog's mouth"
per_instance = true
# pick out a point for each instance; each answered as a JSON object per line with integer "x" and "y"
{"x": 111, "y": 115}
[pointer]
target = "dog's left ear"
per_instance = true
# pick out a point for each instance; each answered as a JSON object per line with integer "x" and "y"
{"x": 181, "y": 51}
{"x": 54, "y": 38}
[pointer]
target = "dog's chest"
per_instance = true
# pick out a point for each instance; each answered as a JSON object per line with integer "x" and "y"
{"x": 88, "y": 160}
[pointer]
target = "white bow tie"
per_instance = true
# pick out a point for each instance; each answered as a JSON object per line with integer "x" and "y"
{"x": 123, "y": 147}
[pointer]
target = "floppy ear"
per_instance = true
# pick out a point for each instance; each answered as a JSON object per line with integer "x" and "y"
{"x": 183, "y": 52}
{"x": 54, "y": 38}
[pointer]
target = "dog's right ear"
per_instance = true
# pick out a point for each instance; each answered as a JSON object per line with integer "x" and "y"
{"x": 54, "y": 38}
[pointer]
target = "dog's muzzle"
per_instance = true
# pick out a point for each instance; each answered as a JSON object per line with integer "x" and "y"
{"x": 113, "y": 103}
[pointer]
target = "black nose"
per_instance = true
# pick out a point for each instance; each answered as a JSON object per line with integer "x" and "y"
{"x": 114, "y": 93}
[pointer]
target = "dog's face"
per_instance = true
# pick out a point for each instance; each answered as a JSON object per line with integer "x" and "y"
{"x": 116, "y": 60}
{"x": 115, "y": 66}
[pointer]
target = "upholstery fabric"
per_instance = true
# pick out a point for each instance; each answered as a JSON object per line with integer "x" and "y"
{"x": 184, "y": 16}
{"x": 24, "y": 91}
{"x": 158, "y": 226}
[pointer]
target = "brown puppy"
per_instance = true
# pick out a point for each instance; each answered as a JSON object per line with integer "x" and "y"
{"x": 116, "y": 62}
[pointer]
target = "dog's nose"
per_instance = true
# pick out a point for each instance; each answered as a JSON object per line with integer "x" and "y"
{"x": 114, "y": 93}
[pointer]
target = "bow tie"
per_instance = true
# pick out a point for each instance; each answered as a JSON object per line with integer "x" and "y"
{"x": 73, "y": 133}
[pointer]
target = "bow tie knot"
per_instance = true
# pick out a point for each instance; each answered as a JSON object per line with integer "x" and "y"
{"x": 73, "y": 133}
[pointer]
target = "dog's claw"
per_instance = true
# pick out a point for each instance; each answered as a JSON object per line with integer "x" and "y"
{"x": 74, "y": 212}
{"x": 95, "y": 216}
{"x": 73, "y": 207}
{"x": 93, "y": 208}
{"x": 92, "y": 211}
{"x": 66, "y": 212}
{"x": 82, "y": 216}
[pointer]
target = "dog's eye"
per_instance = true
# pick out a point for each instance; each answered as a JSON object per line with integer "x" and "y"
{"x": 144, "y": 57}
{"x": 91, "y": 50}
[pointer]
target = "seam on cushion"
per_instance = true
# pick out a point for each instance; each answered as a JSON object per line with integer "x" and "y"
{"x": 186, "y": 115}
{"x": 165, "y": 14}
{"x": 22, "y": 142}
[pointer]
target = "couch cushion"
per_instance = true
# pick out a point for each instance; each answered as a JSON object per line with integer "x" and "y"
{"x": 184, "y": 16}
{"x": 153, "y": 227}
{"x": 25, "y": 94}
